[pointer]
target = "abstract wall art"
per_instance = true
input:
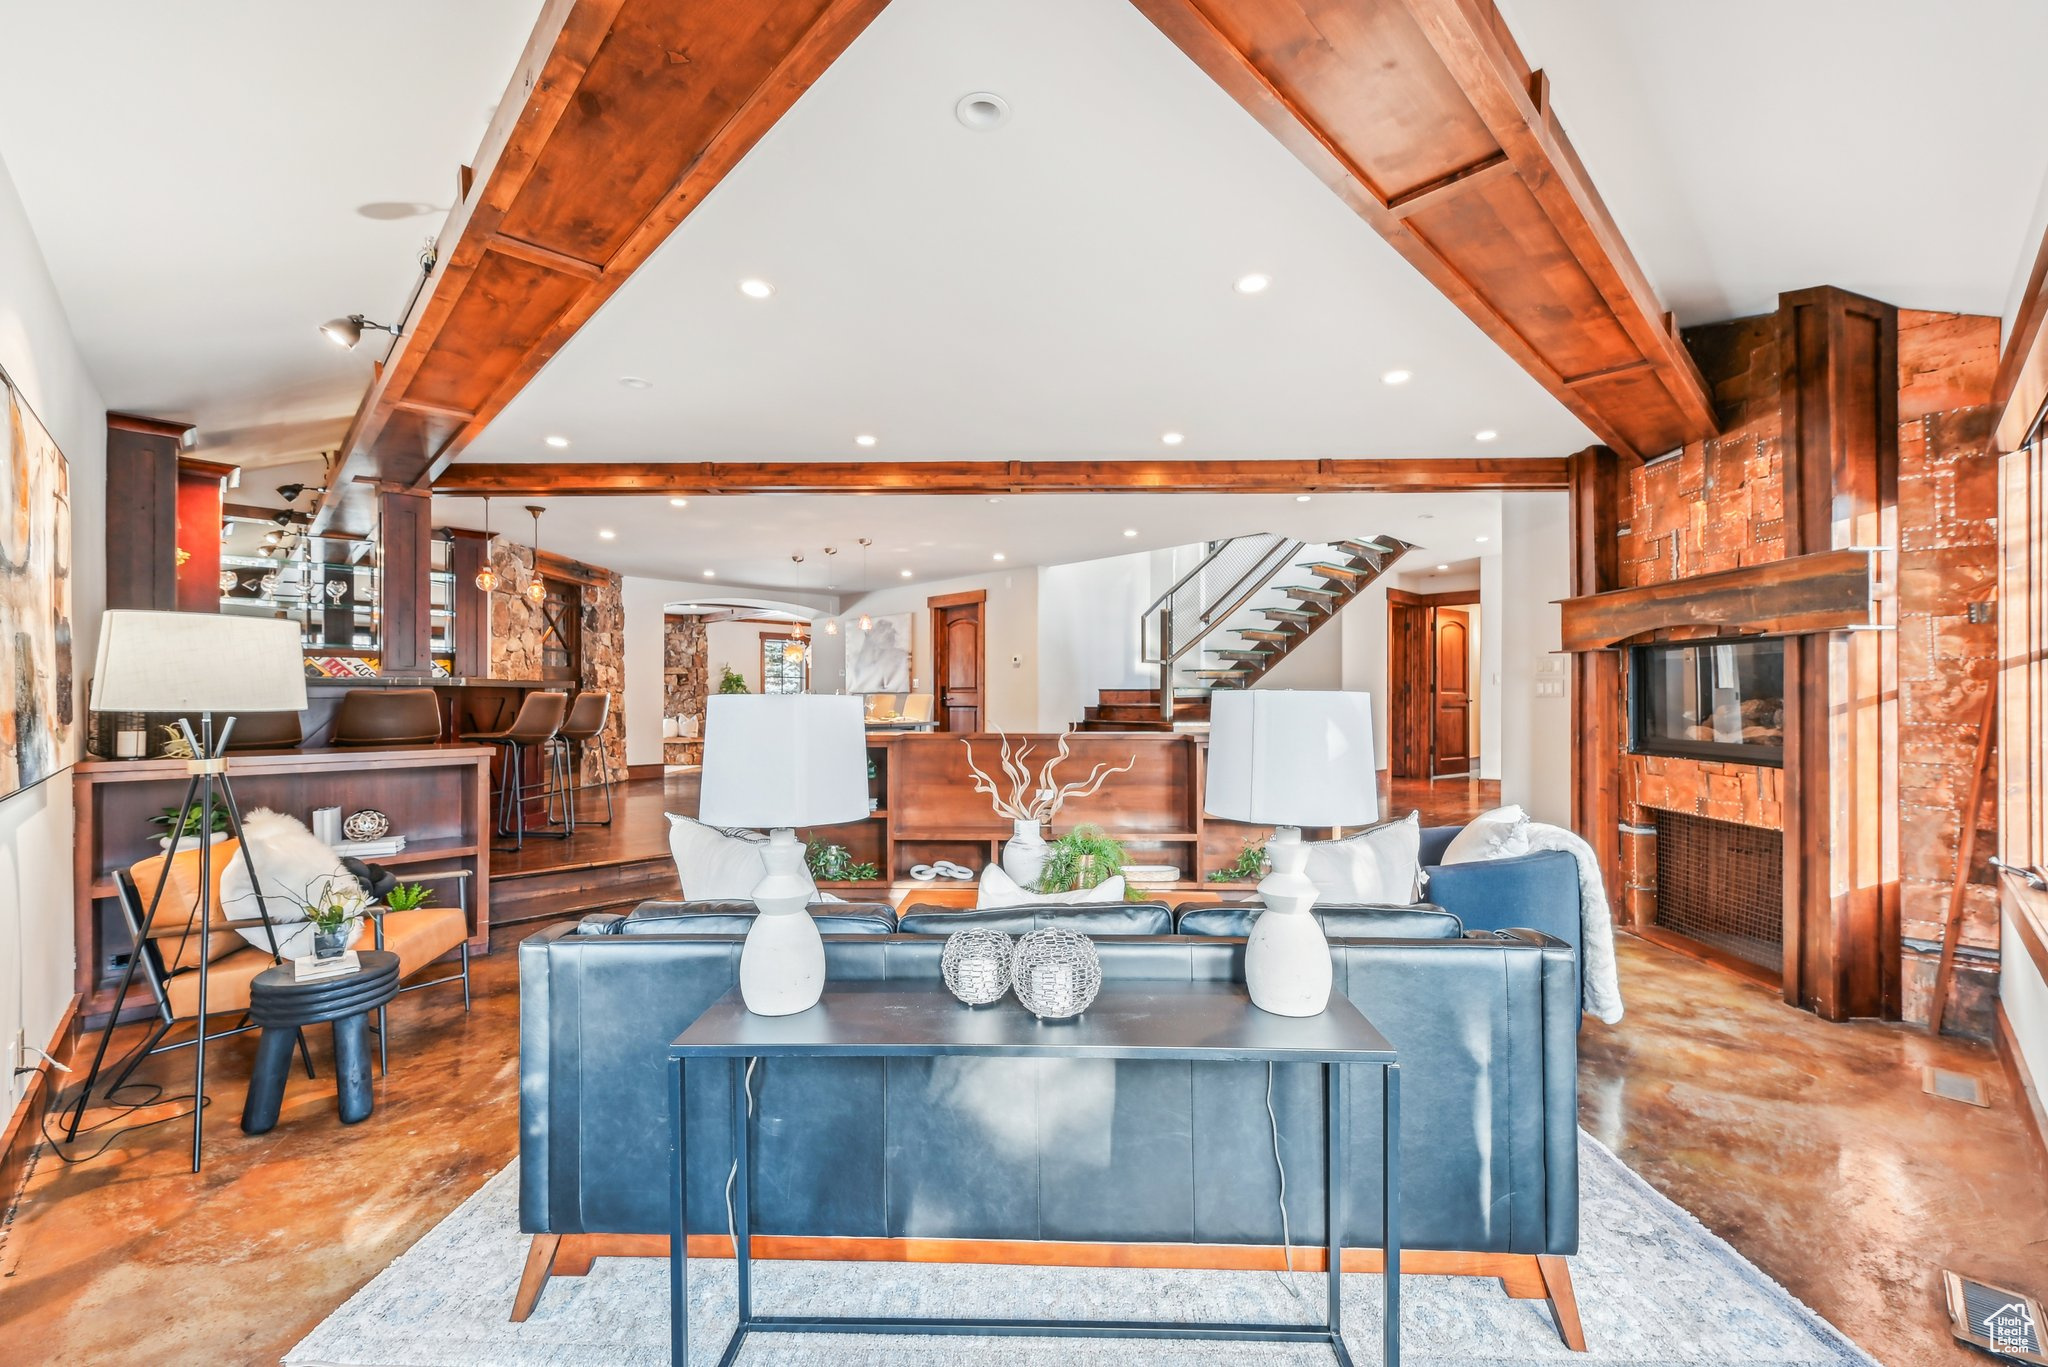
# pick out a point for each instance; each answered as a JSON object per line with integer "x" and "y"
{"x": 878, "y": 659}
{"x": 36, "y": 706}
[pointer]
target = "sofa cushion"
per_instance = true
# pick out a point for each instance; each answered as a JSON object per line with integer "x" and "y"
{"x": 1099, "y": 918}
{"x": 715, "y": 863}
{"x": 998, "y": 889}
{"x": 1501, "y": 833}
{"x": 1419, "y": 922}
{"x": 736, "y": 917}
{"x": 1379, "y": 866}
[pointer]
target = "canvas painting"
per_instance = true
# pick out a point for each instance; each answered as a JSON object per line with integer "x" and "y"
{"x": 878, "y": 659}
{"x": 35, "y": 599}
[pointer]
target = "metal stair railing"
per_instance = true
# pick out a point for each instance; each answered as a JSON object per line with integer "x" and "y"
{"x": 1206, "y": 597}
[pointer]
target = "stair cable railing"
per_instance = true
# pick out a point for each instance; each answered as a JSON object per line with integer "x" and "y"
{"x": 1206, "y": 597}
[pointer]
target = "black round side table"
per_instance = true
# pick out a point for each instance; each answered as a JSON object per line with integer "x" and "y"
{"x": 282, "y": 1005}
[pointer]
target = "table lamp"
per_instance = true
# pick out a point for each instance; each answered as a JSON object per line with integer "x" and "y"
{"x": 776, "y": 762}
{"x": 1290, "y": 759}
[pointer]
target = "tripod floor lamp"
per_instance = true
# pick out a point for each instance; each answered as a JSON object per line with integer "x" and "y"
{"x": 203, "y": 664}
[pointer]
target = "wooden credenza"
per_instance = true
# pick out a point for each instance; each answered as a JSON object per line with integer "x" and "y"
{"x": 437, "y": 796}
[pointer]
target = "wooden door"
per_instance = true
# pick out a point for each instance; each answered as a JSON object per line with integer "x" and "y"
{"x": 1408, "y": 719}
{"x": 958, "y": 664}
{"x": 1451, "y": 693}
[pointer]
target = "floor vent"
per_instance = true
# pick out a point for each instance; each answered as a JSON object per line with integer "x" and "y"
{"x": 1999, "y": 1321}
{"x": 1952, "y": 1086}
{"x": 1721, "y": 884}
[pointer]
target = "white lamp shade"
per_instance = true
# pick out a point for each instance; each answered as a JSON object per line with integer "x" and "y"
{"x": 774, "y": 760}
{"x": 1291, "y": 758}
{"x": 197, "y": 662}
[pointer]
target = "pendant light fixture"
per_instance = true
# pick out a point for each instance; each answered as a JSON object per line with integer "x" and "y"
{"x": 536, "y": 591}
{"x": 867, "y": 623}
{"x": 487, "y": 577}
{"x": 831, "y": 623}
{"x": 793, "y": 648}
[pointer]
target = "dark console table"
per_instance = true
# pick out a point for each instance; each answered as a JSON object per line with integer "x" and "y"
{"x": 1196, "y": 1021}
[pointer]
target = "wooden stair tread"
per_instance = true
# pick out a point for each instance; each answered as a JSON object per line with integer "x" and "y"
{"x": 1329, "y": 571}
{"x": 1289, "y": 614}
{"x": 1257, "y": 634}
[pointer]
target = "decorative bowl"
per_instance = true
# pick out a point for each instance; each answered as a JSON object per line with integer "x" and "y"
{"x": 1056, "y": 973}
{"x": 976, "y": 965}
{"x": 368, "y": 824}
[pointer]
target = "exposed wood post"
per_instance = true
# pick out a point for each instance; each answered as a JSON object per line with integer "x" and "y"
{"x": 405, "y": 550}
{"x": 1599, "y": 503}
{"x": 1839, "y": 417}
{"x": 468, "y": 552}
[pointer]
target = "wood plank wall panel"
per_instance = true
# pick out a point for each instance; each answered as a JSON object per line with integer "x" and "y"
{"x": 142, "y": 515}
{"x": 405, "y": 537}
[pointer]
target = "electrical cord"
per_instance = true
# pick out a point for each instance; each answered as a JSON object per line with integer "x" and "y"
{"x": 123, "y": 1109}
{"x": 732, "y": 1174}
{"x": 1286, "y": 1235}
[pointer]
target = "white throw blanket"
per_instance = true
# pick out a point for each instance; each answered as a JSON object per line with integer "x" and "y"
{"x": 1602, "y": 998}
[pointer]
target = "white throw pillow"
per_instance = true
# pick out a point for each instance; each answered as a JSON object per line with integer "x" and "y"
{"x": 1380, "y": 865}
{"x": 292, "y": 864}
{"x": 1501, "y": 833}
{"x": 719, "y": 865}
{"x": 998, "y": 889}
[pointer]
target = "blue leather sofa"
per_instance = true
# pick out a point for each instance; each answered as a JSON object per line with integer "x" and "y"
{"x": 1083, "y": 1151}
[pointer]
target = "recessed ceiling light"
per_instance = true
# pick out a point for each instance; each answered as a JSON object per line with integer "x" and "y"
{"x": 1482, "y": 538}
{"x": 756, "y": 289}
{"x": 1130, "y": 531}
{"x": 679, "y": 503}
{"x": 1487, "y": 435}
{"x": 607, "y": 533}
{"x": 995, "y": 500}
{"x": 1172, "y": 438}
{"x": 1441, "y": 568}
{"x": 558, "y": 442}
{"x": 1255, "y": 283}
{"x": 982, "y": 111}
{"x": 711, "y": 574}
{"x": 999, "y": 555}
{"x": 864, "y": 439}
{"x": 906, "y": 574}
{"x": 1302, "y": 498}
{"x": 635, "y": 382}
{"x": 1397, "y": 377}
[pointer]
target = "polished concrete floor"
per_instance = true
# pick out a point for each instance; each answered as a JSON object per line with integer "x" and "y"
{"x": 1808, "y": 1146}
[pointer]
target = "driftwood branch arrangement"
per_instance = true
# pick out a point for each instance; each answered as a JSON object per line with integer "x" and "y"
{"x": 1042, "y": 801}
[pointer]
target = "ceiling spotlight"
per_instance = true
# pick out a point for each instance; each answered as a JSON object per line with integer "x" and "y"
{"x": 607, "y": 533}
{"x": 995, "y": 500}
{"x": 1130, "y": 531}
{"x": 679, "y": 503}
{"x": 559, "y": 443}
{"x": 756, "y": 289}
{"x": 635, "y": 382}
{"x": 1397, "y": 377}
{"x": 1488, "y": 435}
{"x": 346, "y": 332}
{"x": 1172, "y": 438}
{"x": 711, "y": 574}
{"x": 1442, "y": 568}
{"x": 864, "y": 439}
{"x": 1255, "y": 283}
{"x": 999, "y": 555}
{"x": 906, "y": 574}
{"x": 1482, "y": 538}
{"x": 1302, "y": 498}
{"x": 982, "y": 111}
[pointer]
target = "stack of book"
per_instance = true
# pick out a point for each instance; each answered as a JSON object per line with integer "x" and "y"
{"x": 310, "y": 969}
{"x": 383, "y": 847}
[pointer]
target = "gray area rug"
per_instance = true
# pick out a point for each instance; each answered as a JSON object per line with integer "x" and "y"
{"x": 1654, "y": 1286}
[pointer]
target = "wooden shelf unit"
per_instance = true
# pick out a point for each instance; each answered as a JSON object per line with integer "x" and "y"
{"x": 930, "y": 811}
{"x": 437, "y": 796}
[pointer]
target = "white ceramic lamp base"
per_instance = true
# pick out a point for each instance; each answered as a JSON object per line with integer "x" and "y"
{"x": 1287, "y": 957}
{"x": 782, "y": 967}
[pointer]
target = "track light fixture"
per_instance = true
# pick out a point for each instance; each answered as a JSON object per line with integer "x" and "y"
{"x": 346, "y": 332}
{"x": 290, "y": 492}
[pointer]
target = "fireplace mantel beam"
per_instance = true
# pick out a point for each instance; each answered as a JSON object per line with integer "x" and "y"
{"x": 1825, "y": 591}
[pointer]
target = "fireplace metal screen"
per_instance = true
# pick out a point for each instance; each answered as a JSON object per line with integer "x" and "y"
{"x": 1722, "y": 885}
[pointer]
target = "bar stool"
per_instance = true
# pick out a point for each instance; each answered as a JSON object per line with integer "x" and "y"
{"x": 585, "y": 726}
{"x": 388, "y": 716}
{"x": 536, "y": 724}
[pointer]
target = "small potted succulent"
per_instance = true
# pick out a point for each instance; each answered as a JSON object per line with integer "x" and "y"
{"x": 333, "y": 910}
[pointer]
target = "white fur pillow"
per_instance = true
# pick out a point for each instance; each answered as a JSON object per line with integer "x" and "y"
{"x": 719, "y": 865}
{"x": 293, "y": 866}
{"x": 1381, "y": 865}
{"x": 998, "y": 889}
{"x": 1501, "y": 833}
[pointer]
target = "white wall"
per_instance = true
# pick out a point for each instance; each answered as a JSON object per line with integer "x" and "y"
{"x": 1010, "y": 642}
{"x": 39, "y": 355}
{"x": 1492, "y": 588}
{"x": 1536, "y": 732}
{"x": 1088, "y": 632}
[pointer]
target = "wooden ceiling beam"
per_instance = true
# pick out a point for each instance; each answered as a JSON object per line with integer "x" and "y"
{"x": 705, "y": 478}
{"x": 1423, "y": 116}
{"x": 621, "y": 117}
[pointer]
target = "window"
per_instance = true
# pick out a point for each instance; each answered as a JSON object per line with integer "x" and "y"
{"x": 779, "y": 673}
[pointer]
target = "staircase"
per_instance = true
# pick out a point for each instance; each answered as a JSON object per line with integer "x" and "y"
{"x": 1232, "y": 619}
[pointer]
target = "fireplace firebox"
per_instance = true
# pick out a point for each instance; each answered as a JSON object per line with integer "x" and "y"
{"x": 1721, "y": 700}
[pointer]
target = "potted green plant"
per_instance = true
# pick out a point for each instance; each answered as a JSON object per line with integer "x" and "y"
{"x": 1084, "y": 857}
{"x": 188, "y": 821}
{"x": 408, "y": 897}
{"x": 730, "y": 680}
{"x": 836, "y": 864}
{"x": 1248, "y": 867}
{"x": 333, "y": 908}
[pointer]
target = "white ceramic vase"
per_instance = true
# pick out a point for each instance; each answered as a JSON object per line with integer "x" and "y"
{"x": 1024, "y": 856}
